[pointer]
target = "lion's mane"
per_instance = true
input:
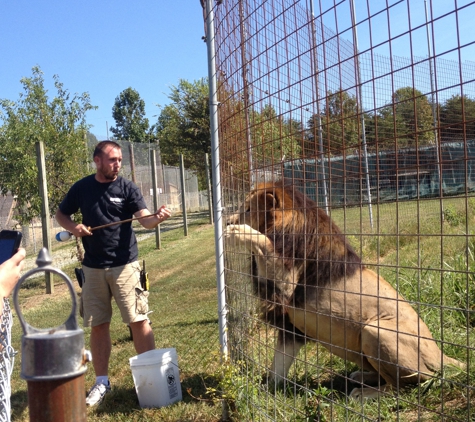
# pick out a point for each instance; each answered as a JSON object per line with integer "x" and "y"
{"x": 303, "y": 235}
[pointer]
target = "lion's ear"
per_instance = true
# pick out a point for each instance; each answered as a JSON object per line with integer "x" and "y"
{"x": 270, "y": 201}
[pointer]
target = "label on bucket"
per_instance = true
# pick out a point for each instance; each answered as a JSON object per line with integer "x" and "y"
{"x": 172, "y": 384}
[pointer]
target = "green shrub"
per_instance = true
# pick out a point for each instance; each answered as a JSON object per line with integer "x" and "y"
{"x": 452, "y": 215}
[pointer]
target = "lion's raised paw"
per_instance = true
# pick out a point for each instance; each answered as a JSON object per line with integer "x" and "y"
{"x": 239, "y": 230}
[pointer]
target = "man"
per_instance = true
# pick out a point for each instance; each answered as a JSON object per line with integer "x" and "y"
{"x": 110, "y": 262}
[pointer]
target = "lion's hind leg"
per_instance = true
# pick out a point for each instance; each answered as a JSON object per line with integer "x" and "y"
{"x": 394, "y": 353}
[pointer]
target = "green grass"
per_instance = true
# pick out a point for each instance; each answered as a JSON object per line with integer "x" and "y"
{"x": 430, "y": 261}
{"x": 183, "y": 299}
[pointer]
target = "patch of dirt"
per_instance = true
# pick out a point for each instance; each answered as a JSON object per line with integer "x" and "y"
{"x": 60, "y": 290}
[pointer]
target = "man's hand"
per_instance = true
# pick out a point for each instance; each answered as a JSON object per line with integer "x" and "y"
{"x": 155, "y": 219}
{"x": 81, "y": 230}
{"x": 163, "y": 213}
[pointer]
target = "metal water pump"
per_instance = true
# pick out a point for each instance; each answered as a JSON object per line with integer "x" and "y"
{"x": 53, "y": 360}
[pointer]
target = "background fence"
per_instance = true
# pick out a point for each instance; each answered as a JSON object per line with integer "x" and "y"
{"x": 136, "y": 166}
{"x": 368, "y": 107}
{"x": 402, "y": 175}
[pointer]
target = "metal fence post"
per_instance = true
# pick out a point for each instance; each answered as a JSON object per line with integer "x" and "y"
{"x": 208, "y": 187}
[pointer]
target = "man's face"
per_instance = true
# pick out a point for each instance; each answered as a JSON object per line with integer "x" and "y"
{"x": 109, "y": 163}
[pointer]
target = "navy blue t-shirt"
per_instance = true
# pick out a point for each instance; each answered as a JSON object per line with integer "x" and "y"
{"x": 103, "y": 203}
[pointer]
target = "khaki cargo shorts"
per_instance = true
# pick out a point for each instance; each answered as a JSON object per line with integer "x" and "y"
{"x": 121, "y": 283}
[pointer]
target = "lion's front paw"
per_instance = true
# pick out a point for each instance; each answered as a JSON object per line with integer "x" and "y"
{"x": 245, "y": 236}
{"x": 239, "y": 231}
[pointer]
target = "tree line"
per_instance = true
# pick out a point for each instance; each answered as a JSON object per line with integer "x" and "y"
{"x": 409, "y": 120}
{"x": 256, "y": 135}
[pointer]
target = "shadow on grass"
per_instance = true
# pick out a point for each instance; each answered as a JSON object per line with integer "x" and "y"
{"x": 124, "y": 401}
{"x": 19, "y": 402}
{"x": 119, "y": 401}
{"x": 195, "y": 388}
{"x": 338, "y": 385}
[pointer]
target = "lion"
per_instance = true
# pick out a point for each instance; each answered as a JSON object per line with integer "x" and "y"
{"x": 313, "y": 285}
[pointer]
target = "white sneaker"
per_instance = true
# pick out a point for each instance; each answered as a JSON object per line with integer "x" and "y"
{"x": 96, "y": 394}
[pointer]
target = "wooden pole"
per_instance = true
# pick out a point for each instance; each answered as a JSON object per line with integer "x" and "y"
{"x": 158, "y": 240}
{"x": 132, "y": 161}
{"x": 57, "y": 400}
{"x": 45, "y": 218}
{"x": 183, "y": 195}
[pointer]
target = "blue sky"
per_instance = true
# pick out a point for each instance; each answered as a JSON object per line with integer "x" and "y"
{"x": 103, "y": 47}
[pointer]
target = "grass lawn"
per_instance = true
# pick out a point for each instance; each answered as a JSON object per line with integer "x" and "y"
{"x": 184, "y": 302}
{"x": 430, "y": 261}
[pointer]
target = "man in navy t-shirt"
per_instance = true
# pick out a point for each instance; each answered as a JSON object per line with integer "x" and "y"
{"x": 110, "y": 262}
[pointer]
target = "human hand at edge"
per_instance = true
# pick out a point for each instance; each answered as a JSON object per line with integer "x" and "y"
{"x": 10, "y": 273}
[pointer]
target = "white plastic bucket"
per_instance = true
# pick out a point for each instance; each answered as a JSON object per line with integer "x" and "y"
{"x": 156, "y": 377}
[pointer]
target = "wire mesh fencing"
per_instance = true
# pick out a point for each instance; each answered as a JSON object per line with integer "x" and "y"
{"x": 7, "y": 359}
{"x": 365, "y": 109}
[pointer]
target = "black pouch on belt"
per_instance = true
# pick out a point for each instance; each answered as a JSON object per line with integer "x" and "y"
{"x": 80, "y": 276}
{"x": 144, "y": 278}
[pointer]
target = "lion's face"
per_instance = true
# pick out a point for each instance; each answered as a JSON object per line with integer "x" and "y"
{"x": 258, "y": 209}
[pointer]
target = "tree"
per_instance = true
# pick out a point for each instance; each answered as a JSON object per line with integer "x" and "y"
{"x": 60, "y": 123}
{"x": 339, "y": 121}
{"x": 407, "y": 119}
{"x": 91, "y": 138}
{"x": 273, "y": 137}
{"x": 183, "y": 126}
{"x": 458, "y": 111}
{"x": 129, "y": 115}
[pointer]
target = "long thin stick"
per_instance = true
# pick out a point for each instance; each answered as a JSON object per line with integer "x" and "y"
{"x": 118, "y": 222}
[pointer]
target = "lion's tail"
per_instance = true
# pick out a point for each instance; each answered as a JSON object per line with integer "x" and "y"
{"x": 448, "y": 361}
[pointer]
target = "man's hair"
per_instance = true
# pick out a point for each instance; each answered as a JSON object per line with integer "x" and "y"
{"x": 101, "y": 146}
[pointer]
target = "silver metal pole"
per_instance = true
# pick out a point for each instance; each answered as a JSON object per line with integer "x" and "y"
{"x": 208, "y": 189}
{"x": 216, "y": 175}
{"x": 360, "y": 104}
{"x": 320, "y": 131}
{"x": 434, "y": 106}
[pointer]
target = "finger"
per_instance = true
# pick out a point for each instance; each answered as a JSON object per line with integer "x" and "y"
{"x": 83, "y": 231}
{"x": 19, "y": 256}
